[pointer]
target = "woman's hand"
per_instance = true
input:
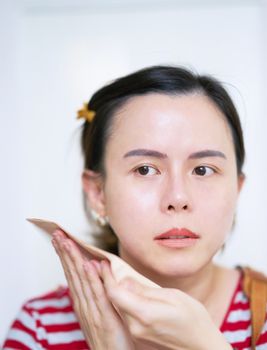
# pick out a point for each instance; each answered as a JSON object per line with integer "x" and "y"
{"x": 163, "y": 317}
{"x": 101, "y": 325}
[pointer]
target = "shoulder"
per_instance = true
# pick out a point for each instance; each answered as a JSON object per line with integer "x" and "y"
{"x": 43, "y": 309}
{"x": 54, "y": 300}
{"x": 45, "y": 320}
{"x": 238, "y": 326}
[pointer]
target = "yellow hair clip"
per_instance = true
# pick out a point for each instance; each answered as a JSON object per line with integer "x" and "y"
{"x": 86, "y": 113}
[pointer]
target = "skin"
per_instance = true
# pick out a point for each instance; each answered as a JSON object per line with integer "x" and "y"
{"x": 170, "y": 192}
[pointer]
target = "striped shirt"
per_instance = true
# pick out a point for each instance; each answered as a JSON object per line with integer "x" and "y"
{"x": 49, "y": 322}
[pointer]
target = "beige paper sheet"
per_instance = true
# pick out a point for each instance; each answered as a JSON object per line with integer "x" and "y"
{"x": 119, "y": 267}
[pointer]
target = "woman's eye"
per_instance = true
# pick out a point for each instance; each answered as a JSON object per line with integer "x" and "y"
{"x": 146, "y": 170}
{"x": 203, "y": 171}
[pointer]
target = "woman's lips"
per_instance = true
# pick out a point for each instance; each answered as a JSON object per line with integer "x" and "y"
{"x": 177, "y": 233}
{"x": 177, "y": 238}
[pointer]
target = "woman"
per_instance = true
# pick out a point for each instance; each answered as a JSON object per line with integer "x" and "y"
{"x": 163, "y": 155}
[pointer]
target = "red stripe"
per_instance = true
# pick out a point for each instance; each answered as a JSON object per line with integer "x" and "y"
{"x": 76, "y": 345}
{"x": 51, "y": 309}
{"x": 13, "y": 344}
{"x": 240, "y": 306}
{"x": 62, "y": 327}
{"x": 262, "y": 339}
{"x": 243, "y": 344}
{"x": 236, "y": 326}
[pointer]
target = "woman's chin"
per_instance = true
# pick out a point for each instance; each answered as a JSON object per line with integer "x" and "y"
{"x": 169, "y": 273}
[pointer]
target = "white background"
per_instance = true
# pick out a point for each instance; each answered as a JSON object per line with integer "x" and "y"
{"x": 54, "y": 54}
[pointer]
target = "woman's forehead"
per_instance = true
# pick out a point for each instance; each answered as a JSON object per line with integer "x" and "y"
{"x": 164, "y": 120}
{"x": 164, "y": 109}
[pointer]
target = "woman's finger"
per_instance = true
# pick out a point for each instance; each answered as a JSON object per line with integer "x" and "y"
{"x": 64, "y": 249}
{"x": 61, "y": 247}
{"x": 98, "y": 291}
{"x": 82, "y": 303}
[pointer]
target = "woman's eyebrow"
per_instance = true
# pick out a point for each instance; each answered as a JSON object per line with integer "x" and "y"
{"x": 207, "y": 153}
{"x": 145, "y": 152}
{"x": 156, "y": 154}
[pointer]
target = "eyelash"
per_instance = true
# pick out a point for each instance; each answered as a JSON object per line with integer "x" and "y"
{"x": 144, "y": 166}
{"x": 198, "y": 167}
{"x": 206, "y": 167}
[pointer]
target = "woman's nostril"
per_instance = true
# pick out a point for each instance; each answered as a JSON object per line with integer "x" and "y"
{"x": 184, "y": 207}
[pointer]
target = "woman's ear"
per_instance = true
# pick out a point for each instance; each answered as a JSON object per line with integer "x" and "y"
{"x": 241, "y": 181}
{"x": 93, "y": 187}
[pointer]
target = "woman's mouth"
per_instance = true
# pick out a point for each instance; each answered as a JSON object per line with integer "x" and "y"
{"x": 177, "y": 238}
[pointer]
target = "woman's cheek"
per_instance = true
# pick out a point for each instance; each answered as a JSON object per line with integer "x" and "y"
{"x": 134, "y": 205}
{"x": 222, "y": 209}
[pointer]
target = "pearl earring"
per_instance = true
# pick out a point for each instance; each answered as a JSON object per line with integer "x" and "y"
{"x": 100, "y": 220}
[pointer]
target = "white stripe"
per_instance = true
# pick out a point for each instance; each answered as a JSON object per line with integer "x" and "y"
{"x": 241, "y": 298}
{"x": 237, "y": 336}
{"x": 57, "y": 303}
{"x": 238, "y": 315}
{"x": 26, "y": 320}
{"x": 57, "y": 318}
{"x": 24, "y": 338}
{"x": 65, "y": 337}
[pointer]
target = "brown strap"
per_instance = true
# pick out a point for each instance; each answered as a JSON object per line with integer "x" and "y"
{"x": 255, "y": 287}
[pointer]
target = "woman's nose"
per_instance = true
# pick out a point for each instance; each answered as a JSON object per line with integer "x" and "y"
{"x": 176, "y": 197}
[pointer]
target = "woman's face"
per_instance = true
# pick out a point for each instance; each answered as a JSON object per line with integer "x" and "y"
{"x": 170, "y": 163}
